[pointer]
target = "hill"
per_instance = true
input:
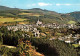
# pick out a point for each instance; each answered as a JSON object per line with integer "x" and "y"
{"x": 44, "y": 15}
{"x": 3, "y": 8}
{"x": 76, "y": 15}
{"x": 51, "y": 16}
{"x": 43, "y": 11}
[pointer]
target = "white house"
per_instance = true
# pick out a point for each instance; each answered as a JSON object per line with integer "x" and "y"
{"x": 79, "y": 42}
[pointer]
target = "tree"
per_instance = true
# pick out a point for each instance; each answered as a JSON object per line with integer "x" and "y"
{"x": 1, "y": 38}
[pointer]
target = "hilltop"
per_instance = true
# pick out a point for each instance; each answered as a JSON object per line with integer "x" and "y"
{"x": 3, "y": 8}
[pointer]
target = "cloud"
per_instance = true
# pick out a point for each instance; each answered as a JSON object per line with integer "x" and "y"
{"x": 63, "y": 4}
{"x": 58, "y": 4}
{"x": 30, "y": 5}
{"x": 48, "y": 4}
{"x": 68, "y": 4}
{"x": 44, "y": 4}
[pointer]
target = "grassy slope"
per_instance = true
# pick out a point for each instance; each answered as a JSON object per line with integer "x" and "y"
{"x": 3, "y": 20}
{"x": 76, "y": 15}
{"x": 52, "y": 17}
{"x": 30, "y": 14}
{"x": 76, "y": 45}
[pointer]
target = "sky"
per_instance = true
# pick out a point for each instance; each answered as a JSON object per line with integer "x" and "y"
{"x": 60, "y": 6}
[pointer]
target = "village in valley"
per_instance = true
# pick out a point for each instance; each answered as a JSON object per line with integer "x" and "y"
{"x": 36, "y": 32}
{"x": 29, "y": 37}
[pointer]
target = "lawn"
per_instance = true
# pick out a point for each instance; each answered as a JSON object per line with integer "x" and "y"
{"x": 30, "y": 14}
{"x": 71, "y": 22}
{"x": 76, "y": 45}
{"x": 2, "y": 20}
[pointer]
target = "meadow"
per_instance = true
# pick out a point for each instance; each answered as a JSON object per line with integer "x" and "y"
{"x": 3, "y": 20}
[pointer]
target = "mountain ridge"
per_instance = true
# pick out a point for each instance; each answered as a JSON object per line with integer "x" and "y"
{"x": 43, "y": 14}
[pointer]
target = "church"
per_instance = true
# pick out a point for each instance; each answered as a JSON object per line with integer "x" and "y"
{"x": 38, "y": 23}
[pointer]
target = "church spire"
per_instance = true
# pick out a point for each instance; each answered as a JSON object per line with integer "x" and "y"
{"x": 38, "y": 19}
{"x": 38, "y": 22}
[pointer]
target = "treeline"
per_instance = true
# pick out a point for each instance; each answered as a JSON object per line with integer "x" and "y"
{"x": 43, "y": 45}
{"x": 9, "y": 13}
{"x": 10, "y": 37}
{"x": 76, "y": 15}
{"x": 54, "y": 48}
{"x": 46, "y": 18}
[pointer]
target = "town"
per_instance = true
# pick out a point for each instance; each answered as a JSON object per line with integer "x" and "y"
{"x": 33, "y": 28}
{"x": 39, "y": 28}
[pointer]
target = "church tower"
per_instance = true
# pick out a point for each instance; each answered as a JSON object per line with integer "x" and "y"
{"x": 38, "y": 23}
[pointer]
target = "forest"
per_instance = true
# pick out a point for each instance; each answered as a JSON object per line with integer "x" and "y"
{"x": 42, "y": 45}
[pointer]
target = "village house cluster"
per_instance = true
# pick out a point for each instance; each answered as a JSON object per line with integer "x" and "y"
{"x": 25, "y": 27}
{"x": 70, "y": 38}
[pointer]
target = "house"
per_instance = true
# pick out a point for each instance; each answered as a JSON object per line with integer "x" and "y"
{"x": 36, "y": 32}
{"x": 61, "y": 38}
{"x": 53, "y": 38}
{"x": 79, "y": 42}
{"x": 69, "y": 40}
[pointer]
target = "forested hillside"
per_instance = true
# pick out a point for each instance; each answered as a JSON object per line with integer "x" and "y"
{"x": 44, "y": 15}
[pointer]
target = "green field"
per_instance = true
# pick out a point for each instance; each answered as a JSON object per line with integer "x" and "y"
{"x": 76, "y": 45}
{"x": 30, "y": 14}
{"x": 3, "y": 20}
{"x": 71, "y": 22}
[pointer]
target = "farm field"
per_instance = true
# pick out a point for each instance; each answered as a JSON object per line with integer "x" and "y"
{"x": 76, "y": 45}
{"x": 30, "y": 14}
{"x": 3, "y": 20}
